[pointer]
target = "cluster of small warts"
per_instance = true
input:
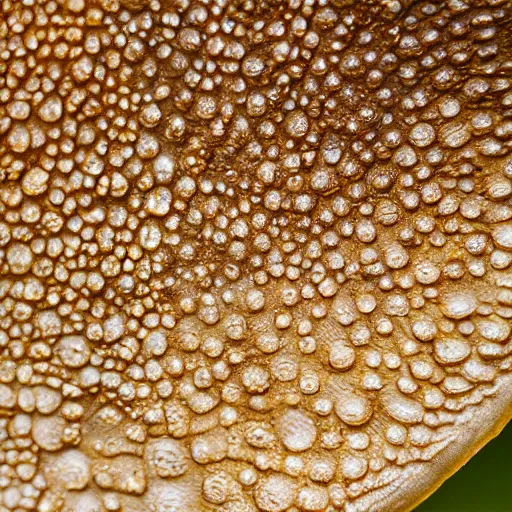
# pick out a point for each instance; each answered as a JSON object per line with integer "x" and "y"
{"x": 254, "y": 256}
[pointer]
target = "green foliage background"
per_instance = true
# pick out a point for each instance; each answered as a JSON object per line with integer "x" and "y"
{"x": 484, "y": 484}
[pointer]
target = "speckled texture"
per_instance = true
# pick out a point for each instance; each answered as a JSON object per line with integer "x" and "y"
{"x": 254, "y": 256}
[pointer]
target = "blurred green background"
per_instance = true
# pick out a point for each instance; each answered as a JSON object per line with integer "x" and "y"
{"x": 484, "y": 484}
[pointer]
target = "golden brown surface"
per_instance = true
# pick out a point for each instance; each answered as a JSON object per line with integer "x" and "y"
{"x": 254, "y": 256}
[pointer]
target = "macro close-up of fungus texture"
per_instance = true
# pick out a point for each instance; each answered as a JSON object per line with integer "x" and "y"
{"x": 255, "y": 256}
